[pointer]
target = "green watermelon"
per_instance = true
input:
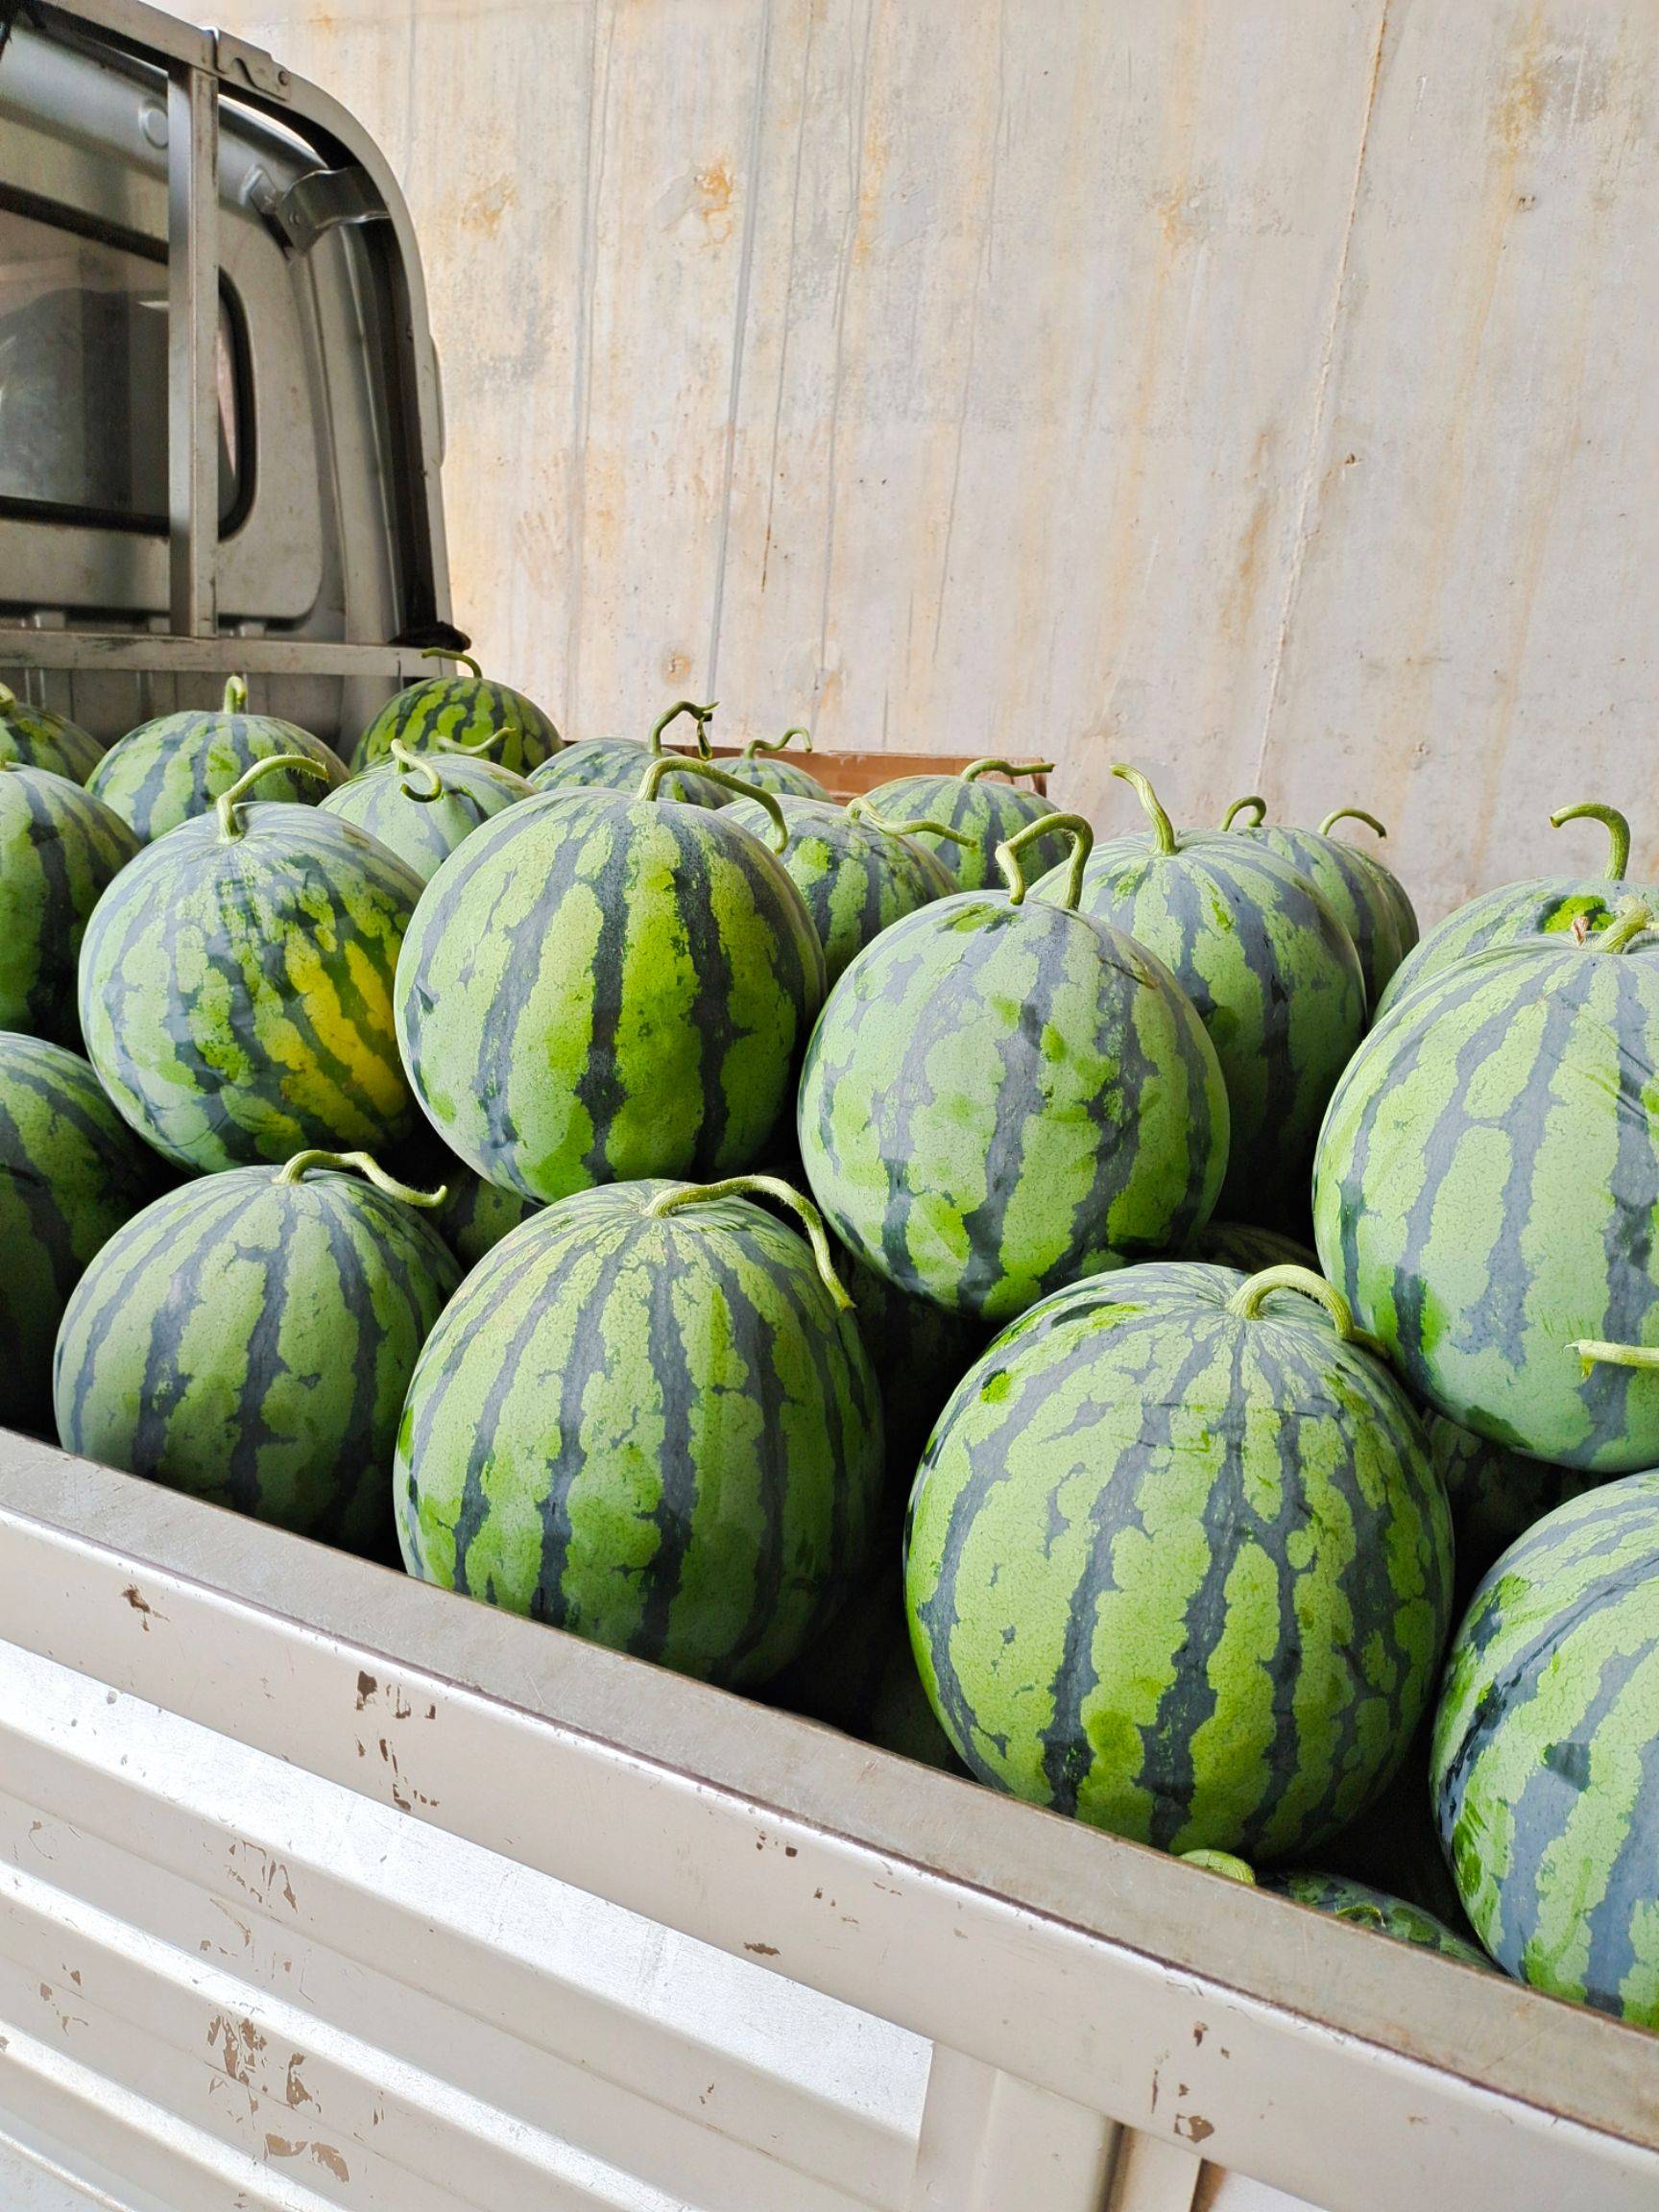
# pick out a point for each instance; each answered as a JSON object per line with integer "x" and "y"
{"x": 235, "y": 983}
{"x": 171, "y": 770}
{"x": 461, "y": 713}
{"x": 982, "y": 815}
{"x": 249, "y": 1338}
{"x": 1272, "y": 972}
{"x": 1546, "y": 1765}
{"x": 1495, "y": 1494}
{"x": 59, "y": 850}
{"x": 857, "y": 873}
{"x": 71, "y": 1172}
{"x": 598, "y": 987}
{"x": 617, "y": 763}
{"x": 35, "y": 738}
{"x": 421, "y": 805}
{"x": 756, "y": 765}
{"x": 647, "y": 1417}
{"x": 859, "y": 1676}
{"x": 1520, "y": 913}
{"x": 475, "y": 1215}
{"x": 1240, "y": 1244}
{"x": 1004, "y": 1093}
{"x": 1485, "y": 1194}
{"x": 1368, "y": 900}
{"x": 1364, "y": 1906}
{"x": 1177, "y": 1562}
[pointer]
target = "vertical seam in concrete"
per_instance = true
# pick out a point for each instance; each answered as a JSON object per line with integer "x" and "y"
{"x": 1321, "y": 403}
{"x": 848, "y": 235}
{"x": 586, "y": 248}
{"x": 745, "y": 264}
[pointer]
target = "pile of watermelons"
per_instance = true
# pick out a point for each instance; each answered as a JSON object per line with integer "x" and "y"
{"x": 1094, "y": 1314}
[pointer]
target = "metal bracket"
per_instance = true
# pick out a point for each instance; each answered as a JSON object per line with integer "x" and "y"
{"x": 320, "y": 202}
{"x": 238, "y": 62}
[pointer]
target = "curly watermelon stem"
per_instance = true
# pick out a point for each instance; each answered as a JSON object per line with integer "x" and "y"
{"x": 862, "y": 810}
{"x": 414, "y": 764}
{"x": 778, "y": 744}
{"x": 702, "y": 716}
{"x": 671, "y": 764}
{"x": 368, "y": 1167}
{"x": 479, "y": 748}
{"x": 1248, "y": 1300}
{"x": 773, "y": 1187}
{"x": 1163, "y": 839}
{"x": 1632, "y": 918}
{"x": 1617, "y": 827}
{"x": 1351, "y": 814}
{"x": 448, "y": 653}
{"x": 230, "y": 822}
{"x": 1224, "y": 1862}
{"x": 1071, "y": 826}
{"x": 1593, "y": 1353}
{"x": 236, "y": 695}
{"x": 1255, "y": 804}
{"x": 990, "y": 765}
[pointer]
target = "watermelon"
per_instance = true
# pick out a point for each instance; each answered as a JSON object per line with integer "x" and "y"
{"x": 59, "y": 850}
{"x": 475, "y": 1215}
{"x": 461, "y": 713}
{"x": 1240, "y": 1244}
{"x": 1495, "y": 1494}
{"x": 421, "y": 805}
{"x": 173, "y": 769}
{"x": 1344, "y": 1899}
{"x": 1368, "y": 900}
{"x": 249, "y": 1338}
{"x": 1177, "y": 1562}
{"x": 71, "y": 1172}
{"x": 1545, "y": 1761}
{"x": 981, "y": 814}
{"x": 235, "y": 983}
{"x": 1521, "y": 913}
{"x": 647, "y": 1417}
{"x": 857, "y": 873}
{"x": 758, "y": 766}
{"x": 35, "y": 738}
{"x": 598, "y": 987}
{"x": 1485, "y": 1188}
{"x": 1004, "y": 1093}
{"x": 859, "y": 1676}
{"x": 1272, "y": 972}
{"x": 617, "y": 763}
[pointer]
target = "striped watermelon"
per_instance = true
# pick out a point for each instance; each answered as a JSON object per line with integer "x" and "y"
{"x": 857, "y": 873}
{"x": 1364, "y": 1906}
{"x": 1272, "y": 972}
{"x": 475, "y": 1215}
{"x": 235, "y": 984}
{"x": 1004, "y": 1093}
{"x": 1177, "y": 1561}
{"x": 421, "y": 805}
{"x": 71, "y": 1172}
{"x": 1546, "y": 1766}
{"x": 757, "y": 765}
{"x": 460, "y": 713}
{"x": 1495, "y": 1494}
{"x": 598, "y": 987}
{"x": 983, "y": 815}
{"x": 249, "y": 1338}
{"x": 1485, "y": 1193}
{"x": 1368, "y": 900}
{"x": 35, "y": 738}
{"x": 1240, "y": 1244}
{"x": 59, "y": 850}
{"x": 617, "y": 763}
{"x": 859, "y": 1676}
{"x": 647, "y": 1417}
{"x": 920, "y": 1353}
{"x": 169, "y": 770}
{"x": 1520, "y": 913}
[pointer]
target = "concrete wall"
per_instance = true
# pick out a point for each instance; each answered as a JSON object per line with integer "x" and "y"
{"x": 1265, "y": 391}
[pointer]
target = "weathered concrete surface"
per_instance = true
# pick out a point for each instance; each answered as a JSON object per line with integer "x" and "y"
{"x": 1267, "y": 393}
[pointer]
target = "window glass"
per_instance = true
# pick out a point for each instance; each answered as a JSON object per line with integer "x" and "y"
{"x": 83, "y": 378}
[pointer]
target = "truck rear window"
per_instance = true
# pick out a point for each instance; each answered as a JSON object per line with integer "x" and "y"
{"x": 84, "y": 376}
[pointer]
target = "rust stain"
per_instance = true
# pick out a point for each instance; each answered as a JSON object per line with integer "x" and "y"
{"x": 285, "y": 2146}
{"x": 483, "y": 208}
{"x": 326, "y": 2156}
{"x": 140, "y": 1605}
{"x": 293, "y": 2088}
{"x": 1193, "y": 2127}
{"x": 366, "y": 1689}
{"x": 762, "y": 1950}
